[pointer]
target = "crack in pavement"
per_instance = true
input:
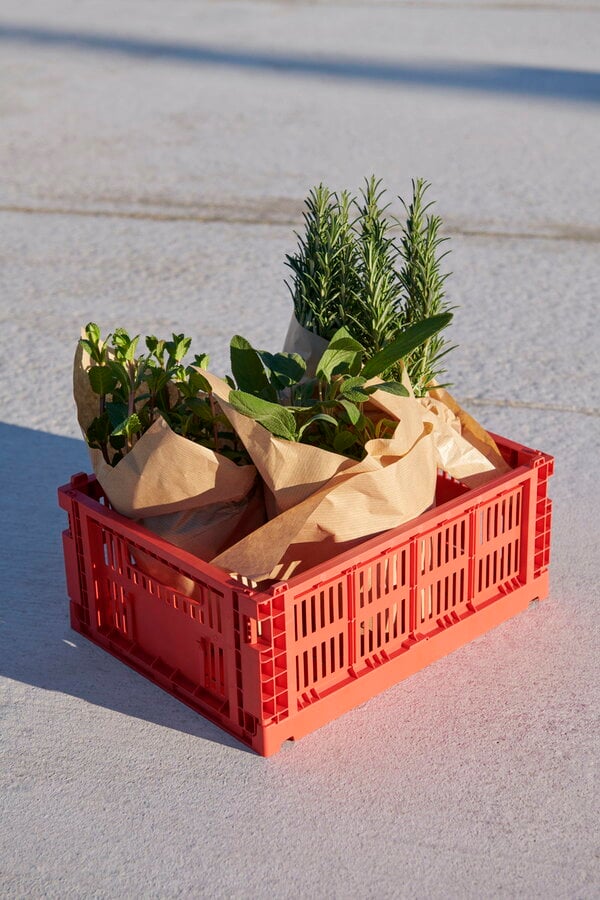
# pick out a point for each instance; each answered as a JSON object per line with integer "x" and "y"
{"x": 271, "y": 213}
{"x": 280, "y": 212}
{"x": 524, "y": 404}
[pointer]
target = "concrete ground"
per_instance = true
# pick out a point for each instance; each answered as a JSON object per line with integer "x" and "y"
{"x": 153, "y": 157}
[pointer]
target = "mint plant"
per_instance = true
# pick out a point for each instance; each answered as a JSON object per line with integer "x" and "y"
{"x": 134, "y": 390}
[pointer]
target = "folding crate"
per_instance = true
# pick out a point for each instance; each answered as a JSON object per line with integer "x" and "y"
{"x": 272, "y": 665}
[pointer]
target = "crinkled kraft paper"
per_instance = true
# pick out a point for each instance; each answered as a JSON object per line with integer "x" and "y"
{"x": 321, "y": 503}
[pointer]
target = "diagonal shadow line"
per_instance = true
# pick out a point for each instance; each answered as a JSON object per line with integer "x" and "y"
{"x": 572, "y": 85}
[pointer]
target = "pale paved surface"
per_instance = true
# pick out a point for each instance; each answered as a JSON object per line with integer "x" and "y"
{"x": 157, "y": 187}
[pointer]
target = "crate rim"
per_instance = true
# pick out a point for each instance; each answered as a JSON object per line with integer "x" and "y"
{"x": 344, "y": 562}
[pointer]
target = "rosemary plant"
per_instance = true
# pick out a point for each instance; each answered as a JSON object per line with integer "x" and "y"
{"x": 348, "y": 271}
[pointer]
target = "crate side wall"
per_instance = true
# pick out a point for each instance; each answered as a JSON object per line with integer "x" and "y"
{"x": 185, "y": 642}
{"x": 350, "y": 623}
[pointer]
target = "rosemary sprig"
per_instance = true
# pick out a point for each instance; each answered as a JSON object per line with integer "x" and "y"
{"x": 324, "y": 266}
{"x": 422, "y": 284}
{"x": 375, "y": 316}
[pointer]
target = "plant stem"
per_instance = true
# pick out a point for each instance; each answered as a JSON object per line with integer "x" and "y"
{"x": 213, "y": 409}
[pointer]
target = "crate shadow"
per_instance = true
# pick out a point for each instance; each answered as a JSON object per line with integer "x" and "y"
{"x": 37, "y": 646}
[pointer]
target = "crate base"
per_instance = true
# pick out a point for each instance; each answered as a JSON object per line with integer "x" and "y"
{"x": 419, "y": 653}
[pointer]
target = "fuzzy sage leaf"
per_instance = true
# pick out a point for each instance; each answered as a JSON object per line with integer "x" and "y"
{"x": 275, "y": 418}
{"x": 248, "y": 370}
{"x": 344, "y": 354}
{"x": 411, "y": 337}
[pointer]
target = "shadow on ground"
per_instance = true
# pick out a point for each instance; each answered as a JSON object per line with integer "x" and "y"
{"x": 572, "y": 85}
{"x": 37, "y": 646}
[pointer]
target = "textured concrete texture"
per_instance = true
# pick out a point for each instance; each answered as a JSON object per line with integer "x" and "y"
{"x": 154, "y": 157}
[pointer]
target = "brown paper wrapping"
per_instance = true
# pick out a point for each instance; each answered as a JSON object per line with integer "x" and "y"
{"x": 455, "y": 455}
{"x": 374, "y": 495}
{"x": 86, "y": 401}
{"x": 320, "y": 503}
{"x": 472, "y": 432}
{"x": 187, "y": 494}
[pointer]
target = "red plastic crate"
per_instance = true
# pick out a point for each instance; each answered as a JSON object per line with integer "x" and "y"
{"x": 270, "y": 666}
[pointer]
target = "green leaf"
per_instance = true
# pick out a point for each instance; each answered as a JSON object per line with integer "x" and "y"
{"x": 117, "y": 413}
{"x": 177, "y": 347}
{"x": 102, "y": 380}
{"x": 117, "y": 442}
{"x": 120, "y": 372}
{"x": 92, "y": 345}
{"x": 275, "y": 418}
{"x": 98, "y": 431}
{"x": 352, "y": 411}
{"x": 92, "y": 332}
{"x": 198, "y": 382}
{"x": 140, "y": 367}
{"x": 129, "y": 426}
{"x": 285, "y": 369}
{"x": 304, "y": 393}
{"x": 178, "y": 372}
{"x": 320, "y": 417}
{"x": 350, "y": 384}
{"x": 248, "y": 369}
{"x": 343, "y": 353}
{"x": 156, "y": 348}
{"x": 201, "y": 360}
{"x": 343, "y": 440}
{"x": 343, "y": 340}
{"x": 385, "y": 425}
{"x": 352, "y": 389}
{"x": 393, "y": 387}
{"x": 124, "y": 345}
{"x": 411, "y": 337}
{"x": 200, "y": 408}
{"x": 156, "y": 379}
